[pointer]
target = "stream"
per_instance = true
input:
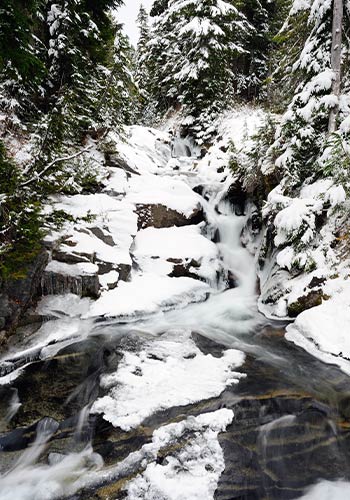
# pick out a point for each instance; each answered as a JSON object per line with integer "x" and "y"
{"x": 287, "y": 420}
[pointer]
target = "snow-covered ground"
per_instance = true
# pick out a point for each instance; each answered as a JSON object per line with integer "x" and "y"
{"x": 324, "y": 330}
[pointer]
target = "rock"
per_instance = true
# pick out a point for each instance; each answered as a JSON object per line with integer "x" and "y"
{"x": 159, "y": 216}
{"x": 199, "y": 189}
{"x": 113, "y": 160}
{"x": 103, "y": 235}
{"x": 72, "y": 257}
{"x": 231, "y": 280}
{"x": 237, "y": 197}
{"x": 3, "y": 337}
{"x": 124, "y": 271}
{"x": 312, "y": 299}
{"x": 18, "y": 294}
{"x": 80, "y": 279}
{"x": 182, "y": 268}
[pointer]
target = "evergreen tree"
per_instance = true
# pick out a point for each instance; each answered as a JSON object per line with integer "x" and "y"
{"x": 159, "y": 7}
{"x": 193, "y": 46}
{"x": 141, "y": 72}
{"x": 303, "y": 134}
{"x": 80, "y": 41}
{"x": 21, "y": 70}
{"x": 254, "y": 65}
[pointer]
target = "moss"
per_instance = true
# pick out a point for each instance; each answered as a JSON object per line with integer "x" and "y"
{"x": 20, "y": 216}
{"x": 15, "y": 263}
{"x": 308, "y": 301}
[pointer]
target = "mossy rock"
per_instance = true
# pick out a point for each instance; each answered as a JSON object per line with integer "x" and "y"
{"x": 305, "y": 302}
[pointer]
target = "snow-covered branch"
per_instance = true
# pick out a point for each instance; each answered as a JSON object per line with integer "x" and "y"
{"x": 38, "y": 175}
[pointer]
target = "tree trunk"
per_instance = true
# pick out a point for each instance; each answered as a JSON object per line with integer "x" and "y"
{"x": 337, "y": 31}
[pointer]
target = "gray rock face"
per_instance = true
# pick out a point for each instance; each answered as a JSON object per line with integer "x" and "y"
{"x": 159, "y": 216}
{"x": 57, "y": 283}
{"x": 16, "y": 295}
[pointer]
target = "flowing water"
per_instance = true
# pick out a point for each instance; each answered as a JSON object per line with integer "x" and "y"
{"x": 291, "y": 425}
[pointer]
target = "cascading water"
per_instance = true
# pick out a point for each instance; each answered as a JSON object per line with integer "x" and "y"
{"x": 290, "y": 411}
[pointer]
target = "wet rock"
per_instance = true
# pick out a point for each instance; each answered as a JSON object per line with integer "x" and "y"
{"x": 231, "y": 280}
{"x": 159, "y": 216}
{"x": 237, "y": 196}
{"x": 312, "y": 299}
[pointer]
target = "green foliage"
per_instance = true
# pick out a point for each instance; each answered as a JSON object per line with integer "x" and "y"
{"x": 336, "y": 160}
{"x": 20, "y": 220}
{"x": 251, "y": 162}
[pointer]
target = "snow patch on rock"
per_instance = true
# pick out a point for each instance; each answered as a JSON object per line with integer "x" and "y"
{"x": 170, "y": 371}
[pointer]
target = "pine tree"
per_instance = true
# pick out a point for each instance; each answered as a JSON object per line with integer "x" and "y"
{"x": 142, "y": 70}
{"x": 80, "y": 42}
{"x": 21, "y": 70}
{"x": 254, "y": 65}
{"x": 192, "y": 50}
{"x": 303, "y": 134}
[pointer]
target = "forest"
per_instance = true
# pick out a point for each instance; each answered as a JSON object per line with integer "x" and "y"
{"x": 174, "y": 250}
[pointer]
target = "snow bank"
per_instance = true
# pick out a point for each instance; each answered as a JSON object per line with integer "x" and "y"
{"x": 170, "y": 371}
{"x": 172, "y": 193}
{"x": 324, "y": 330}
{"x": 147, "y": 294}
{"x": 80, "y": 269}
{"x": 144, "y": 149}
{"x": 154, "y": 246}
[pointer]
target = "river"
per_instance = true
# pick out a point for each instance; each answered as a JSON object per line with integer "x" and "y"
{"x": 223, "y": 407}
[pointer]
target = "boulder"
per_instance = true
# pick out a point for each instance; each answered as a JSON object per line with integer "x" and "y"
{"x": 312, "y": 299}
{"x": 159, "y": 216}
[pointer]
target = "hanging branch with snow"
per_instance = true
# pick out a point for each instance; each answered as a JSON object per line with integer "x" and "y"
{"x": 38, "y": 175}
{"x": 337, "y": 31}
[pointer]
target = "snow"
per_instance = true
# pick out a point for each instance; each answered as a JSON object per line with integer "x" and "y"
{"x": 172, "y": 193}
{"x": 147, "y": 294}
{"x": 108, "y": 279}
{"x": 327, "y": 490}
{"x": 80, "y": 269}
{"x": 192, "y": 472}
{"x": 81, "y": 205}
{"x": 167, "y": 372}
{"x": 90, "y": 246}
{"x": 324, "y": 330}
{"x": 154, "y": 246}
{"x": 144, "y": 149}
